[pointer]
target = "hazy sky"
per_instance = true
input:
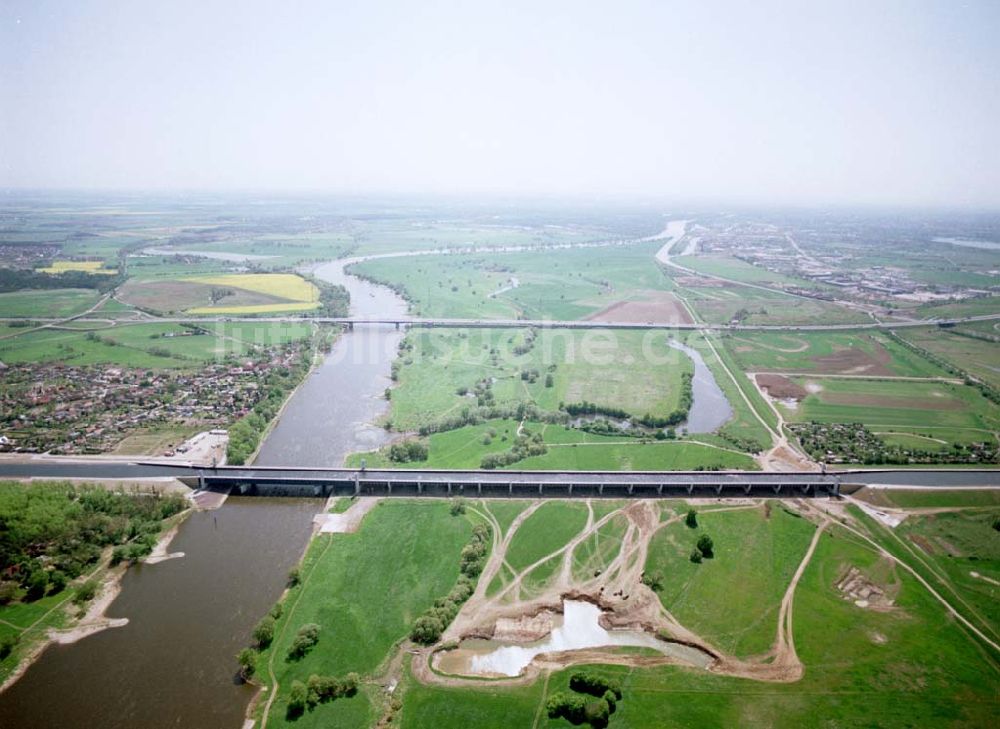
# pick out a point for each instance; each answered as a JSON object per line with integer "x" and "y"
{"x": 799, "y": 101}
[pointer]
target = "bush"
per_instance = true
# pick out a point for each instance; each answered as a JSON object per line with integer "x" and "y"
{"x": 36, "y": 584}
{"x": 426, "y": 630}
{"x": 294, "y": 577}
{"x": 586, "y": 682}
{"x": 247, "y": 659}
{"x": 691, "y": 519}
{"x": 306, "y": 637}
{"x": 653, "y": 580}
{"x": 705, "y": 546}
{"x": 276, "y": 609}
{"x": 408, "y": 451}
{"x": 8, "y": 591}
{"x": 57, "y": 581}
{"x": 263, "y": 634}
{"x": 457, "y": 507}
{"x": 320, "y": 689}
{"x": 695, "y": 556}
{"x": 86, "y": 591}
{"x": 7, "y": 644}
{"x": 297, "y": 696}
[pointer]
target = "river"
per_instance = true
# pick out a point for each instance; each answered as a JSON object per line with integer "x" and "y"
{"x": 174, "y": 664}
{"x": 319, "y": 426}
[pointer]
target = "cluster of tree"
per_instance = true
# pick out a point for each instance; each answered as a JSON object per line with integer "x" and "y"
{"x": 576, "y": 409}
{"x": 427, "y": 629}
{"x": 527, "y": 344}
{"x": 408, "y": 451}
{"x": 594, "y": 701}
{"x": 476, "y": 416}
{"x": 17, "y": 279}
{"x": 525, "y": 446}
{"x": 334, "y": 300}
{"x": 49, "y": 534}
{"x": 702, "y": 549}
{"x": 245, "y": 433}
{"x": 747, "y": 445}
{"x": 854, "y": 443}
{"x": 263, "y": 635}
{"x": 318, "y": 690}
{"x": 305, "y": 638}
{"x": 530, "y": 376}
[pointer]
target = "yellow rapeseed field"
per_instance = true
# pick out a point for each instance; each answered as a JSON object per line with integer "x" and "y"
{"x": 87, "y": 266}
{"x": 301, "y": 294}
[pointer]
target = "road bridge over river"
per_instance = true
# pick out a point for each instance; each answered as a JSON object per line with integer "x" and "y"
{"x": 523, "y": 484}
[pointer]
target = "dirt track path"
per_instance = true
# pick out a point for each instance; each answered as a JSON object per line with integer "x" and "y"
{"x": 785, "y": 642}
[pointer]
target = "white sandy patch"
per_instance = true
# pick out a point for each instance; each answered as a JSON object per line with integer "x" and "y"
{"x": 347, "y": 522}
{"x": 890, "y": 520}
{"x": 160, "y": 553}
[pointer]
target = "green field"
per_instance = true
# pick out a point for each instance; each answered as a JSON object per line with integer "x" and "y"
{"x": 546, "y": 530}
{"x": 732, "y": 599}
{"x": 364, "y": 590}
{"x": 718, "y": 303}
{"x": 559, "y": 284}
{"x": 47, "y": 303}
{"x": 568, "y": 449}
{"x": 944, "y": 410}
{"x": 631, "y": 370}
{"x": 855, "y": 353}
{"x": 977, "y": 357}
{"x": 146, "y": 345}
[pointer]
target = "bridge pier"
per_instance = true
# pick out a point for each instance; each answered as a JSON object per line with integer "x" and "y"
{"x": 449, "y": 488}
{"x": 510, "y": 488}
{"x": 690, "y": 488}
{"x": 201, "y": 481}
{"x": 630, "y": 486}
{"x": 777, "y": 488}
{"x": 746, "y": 489}
{"x": 479, "y": 488}
{"x": 718, "y": 489}
{"x": 397, "y": 326}
{"x": 571, "y": 489}
{"x": 420, "y": 487}
{"x": 389, "y": 486}
{"x": 600, "y": 489}
{"x": 659, "y": 490}
{"x": 539, "y": 489}
{"x": 357, "y": 485}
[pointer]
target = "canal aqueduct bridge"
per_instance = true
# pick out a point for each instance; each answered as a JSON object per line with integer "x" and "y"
{"x": 520, "y": 484}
